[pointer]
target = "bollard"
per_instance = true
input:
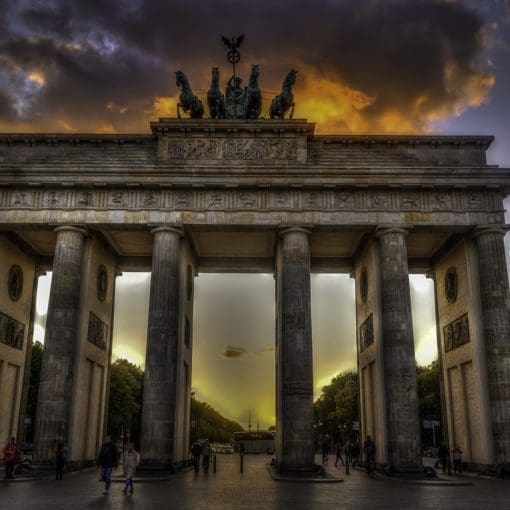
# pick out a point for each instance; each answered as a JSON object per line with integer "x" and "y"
{"x": 241, "y": 457}
{"x": 347, "y": 464}
{"x": 214, "y": 463}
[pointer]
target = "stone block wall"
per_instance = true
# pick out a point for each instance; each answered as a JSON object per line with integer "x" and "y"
{"x": 15, "y": 318}
{"x": 463, "y": 356}
{"x": 370, "y": 361}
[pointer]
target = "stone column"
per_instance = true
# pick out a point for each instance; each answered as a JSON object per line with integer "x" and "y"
{"x": 495, "y": 303}
{"x": 56, "y": 383}
{"x": 402, "y": 416}
{"x": 159, "y": 397}
{"x": 294, "y": 353}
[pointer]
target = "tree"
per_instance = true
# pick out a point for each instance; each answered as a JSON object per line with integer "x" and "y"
{"x": 125, "y": 403}
{"x": 429, "y": 398}
{"x": 208, "y": 423}
{"x": 33, "y": 388}
{"x": 337, "y": 407}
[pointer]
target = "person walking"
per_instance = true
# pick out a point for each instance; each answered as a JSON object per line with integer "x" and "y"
{"x": 107, "y": 460}
{"x": 60, "y": 459}
{"x": 457, "y": 459}
{"x": 10, "y": 454}
{"x": 206, "y": 455}
{"x": 444, "y": 457}
{"x": 338, "y": 452}
{"x": 196, "y": 451}
{"x": 369, "y": 450}
{"x": 130, "y": 462}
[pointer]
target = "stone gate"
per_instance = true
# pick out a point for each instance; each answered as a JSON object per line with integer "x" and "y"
{"x": 255, "y": 196}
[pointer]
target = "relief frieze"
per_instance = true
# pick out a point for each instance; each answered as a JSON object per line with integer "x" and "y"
{"x": 12, "y": 332}
{"x": 456, "y": 333}
{"x": 97, "y": 332}
{"x": 232, "y": 149}
{"x": 366, "y": 333}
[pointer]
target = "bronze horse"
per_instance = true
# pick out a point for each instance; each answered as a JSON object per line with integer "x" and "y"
{"x": 215, "y": 99}
{"x": 187, "y": 100}
{"x": 253, "y": 95}
{"x": 284, "y": 101}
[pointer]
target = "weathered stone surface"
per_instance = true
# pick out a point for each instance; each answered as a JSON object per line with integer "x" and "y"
{"x": 495, "y": 302}
{"x": 295, "y": 447}
{"x": 55, "y": 389}
{"x": 159, "y": 398}
{"x": 402, "y": 418}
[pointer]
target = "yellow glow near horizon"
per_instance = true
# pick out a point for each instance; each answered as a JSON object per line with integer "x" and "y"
{"x": 238, "y": 310}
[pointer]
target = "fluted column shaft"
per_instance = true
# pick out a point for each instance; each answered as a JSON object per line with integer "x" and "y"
{"x": 56, "y": 382}
{"x": 496, "y": 327}
{"x": 295, "y": 357}
{"x": 159, "y": 398}
{"x": 402, "y": 415}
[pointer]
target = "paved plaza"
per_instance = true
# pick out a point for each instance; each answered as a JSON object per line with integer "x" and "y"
{"x": 228, "y": 489}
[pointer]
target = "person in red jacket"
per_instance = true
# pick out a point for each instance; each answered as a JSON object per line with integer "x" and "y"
{"x": 10, "y": 453}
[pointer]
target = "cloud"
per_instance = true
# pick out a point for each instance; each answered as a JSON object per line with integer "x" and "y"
{"x": 233, "y": 352}
{"x": 364, "y": 65}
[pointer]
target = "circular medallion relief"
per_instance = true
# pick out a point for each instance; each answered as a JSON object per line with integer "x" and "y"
{"x": 15, "y": 282}
{"x": 102, "y": 283}
{"x": 450, "y": 284}
{"x": 363, "y": 285}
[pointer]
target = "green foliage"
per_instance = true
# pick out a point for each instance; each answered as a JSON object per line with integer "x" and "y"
{"x": 429, "y": 397}
{"x": 33, "y": 388}
{"x": 125, "y": 402}
{"x": 208, "y": 423}
{"x": 337, "y": 407}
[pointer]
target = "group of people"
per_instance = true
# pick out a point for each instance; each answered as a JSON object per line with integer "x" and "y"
{"x": 351, "y": 451}
{"x": 204, "y": 450}
{"x": 109, "y": 458}
{"x": 445, "y": 459}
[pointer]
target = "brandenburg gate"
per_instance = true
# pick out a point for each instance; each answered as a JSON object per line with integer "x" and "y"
{"x": 262, "y": 195}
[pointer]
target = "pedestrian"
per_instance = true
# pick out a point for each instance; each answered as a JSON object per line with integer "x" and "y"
{"x": 59, "y": 460}
{"x": 355, "y": 452}
{"x": 131, "y": 460}
{"x": 326, "y": 446}
{"x": 369, "y": 450}
{"x": 206, "y": 455}
{"x": 196, "y": 451}
{"x": 10, "y": 454}
{"x": 457, "y": 459}
{"x": 338, "y": 451}
{"x": 107, "y": 460}
{"x": 444, "y": 456}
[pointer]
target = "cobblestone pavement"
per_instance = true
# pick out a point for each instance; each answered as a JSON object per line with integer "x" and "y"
{"x": 228, "y": 489}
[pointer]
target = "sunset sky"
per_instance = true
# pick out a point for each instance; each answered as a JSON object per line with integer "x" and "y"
{"x": 375, "y": 66}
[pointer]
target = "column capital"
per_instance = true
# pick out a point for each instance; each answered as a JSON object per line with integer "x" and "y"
{"x": 482, "y": 230}
{"x": 294, "y": 230}
{"x": 71, "y": 228}
{"x": 382, "y": 231}
{"x": 164, "y": 228}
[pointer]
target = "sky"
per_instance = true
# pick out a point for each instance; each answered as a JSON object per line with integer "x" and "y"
{"x": 364, "y": 66}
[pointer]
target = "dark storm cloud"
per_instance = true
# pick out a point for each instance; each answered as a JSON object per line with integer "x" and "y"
{"x": 104, "y": 62}
{"x": 233, "y": 352}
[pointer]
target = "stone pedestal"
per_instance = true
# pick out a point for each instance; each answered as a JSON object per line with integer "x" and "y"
{"x": 295, "y": 448}
{"x": 496, "y": 328}
{"x": 159, "y": 394}
{"x": 55, "y": 388}
{"x": 402, "y": 416}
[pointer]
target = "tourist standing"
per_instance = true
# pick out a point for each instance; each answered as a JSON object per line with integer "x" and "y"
{"x": 10, "y": 453}
{"x": 131, "y": 460}
{"x": 107, "y": 461}
{"x": 369, "y": 450}
{"x": 206, "y": 455}
{"x": 60, "y": 459}
{"x": 457, "y": 459}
